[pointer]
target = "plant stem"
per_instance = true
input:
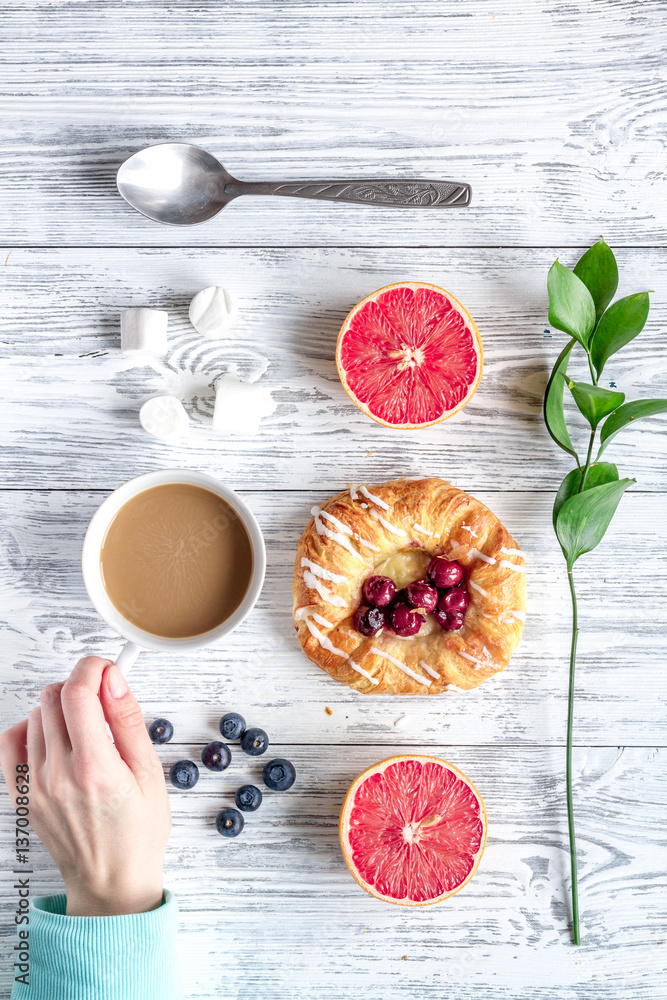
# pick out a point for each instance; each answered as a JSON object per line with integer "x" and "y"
{"x": 594, "y": 377}
{"x": 568, "y": 769}
{"x": 582, "y": 485}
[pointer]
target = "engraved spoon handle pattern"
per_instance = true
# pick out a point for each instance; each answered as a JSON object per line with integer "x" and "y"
{"x": 416, "y": 194}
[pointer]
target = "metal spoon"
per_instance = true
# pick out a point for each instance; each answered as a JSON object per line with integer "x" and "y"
{"x": 182, "y": 185}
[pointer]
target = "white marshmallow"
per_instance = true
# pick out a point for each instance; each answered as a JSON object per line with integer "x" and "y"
{"x": 164, "y": 417}
{"x": 143, "y": 331}
{"x": 211, "y": 312}
{"x": 239, "y": 406}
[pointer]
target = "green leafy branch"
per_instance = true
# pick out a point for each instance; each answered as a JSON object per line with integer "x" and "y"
{"x": 586, "y": 501}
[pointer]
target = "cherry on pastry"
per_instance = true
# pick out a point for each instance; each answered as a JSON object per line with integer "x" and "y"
{"x": 444, "y": 573}
{"x": 449, "y": 621}
{"x": 368, "y": 621}
{"x": 404, "y": 620}
{"x": 454, "y": 600}
{"x": 422, "y": 594}
{"x": 379, "y": 591}
{"x": 455, "y": 619}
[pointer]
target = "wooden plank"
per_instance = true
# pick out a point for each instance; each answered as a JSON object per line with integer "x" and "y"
{"x": 557, "y": 119}
{"x": 68, "y": 412}
{"x": 276, "y": 913}
{"x": 261, "y": 671}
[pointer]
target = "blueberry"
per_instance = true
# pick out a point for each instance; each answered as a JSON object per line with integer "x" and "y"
{"x": 254, "y": 742}
{"x": 216, "y": 756}
{"x": 184, "y": 774}
{"x": 279, "y": 774}
{"x": 229, "y": 823}
{"x": 161, "y": 731}
{"x": 232, "y": 726}
{"x": 248, "y": 798}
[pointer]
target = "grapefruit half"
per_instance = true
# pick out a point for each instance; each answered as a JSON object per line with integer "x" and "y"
{"x": 412, "y": 830}
{"x": 409, "y": 355}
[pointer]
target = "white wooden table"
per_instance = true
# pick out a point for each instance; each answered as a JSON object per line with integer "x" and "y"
{"x": 556, "y": 116}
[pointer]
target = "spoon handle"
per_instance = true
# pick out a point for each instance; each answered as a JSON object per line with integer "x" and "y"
{"x": 414, "y": 194}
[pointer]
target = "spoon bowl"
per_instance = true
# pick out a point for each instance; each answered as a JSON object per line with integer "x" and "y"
{"x": 174, "y": 183}
{"x": 179, "y": 184}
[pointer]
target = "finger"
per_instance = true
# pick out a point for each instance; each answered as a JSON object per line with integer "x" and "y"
{"x": 13, "y": 753}
{"x": 126, "y": 722}
{"x": 35, "y": 740}
{"x": 56, "y": 736}
{"x": 82, "y": 710}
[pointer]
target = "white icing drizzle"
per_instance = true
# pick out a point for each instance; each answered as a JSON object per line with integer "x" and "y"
{"x": 368, "y": 545}
{"x": 453, "y": 687}
{"x": 364, "y": 505}
{"x": 353, "y": 493}
{"x": 517, "y": 569}
{"x": 476, "y": 586}
{"x": 467, "y": 656}
{"x": 418, "y": 527}
{"x": 302, "y": 613}
{"x": 401, "y": 666}
{"x": 385, "y": 524}
{"x": 335, "y": 536}
{"x": 512, "y": 552}
{"x": 371, "y": 496}
{"x": 334, "y": 520}
{"x": 326, "y": 574}
{"x": 327, "y": 644}
{"x": 429, "y": 670}
{"x": 466, "y": 527}
{"x": 476, "y": 554}
{"x": 313, "y": 583}
{"x": 521, "y": 615}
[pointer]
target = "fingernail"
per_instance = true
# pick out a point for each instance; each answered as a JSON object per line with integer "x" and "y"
{"x": 116, "y": 682}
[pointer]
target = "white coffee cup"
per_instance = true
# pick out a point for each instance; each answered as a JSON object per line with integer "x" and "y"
{"x": 136, "y": 638}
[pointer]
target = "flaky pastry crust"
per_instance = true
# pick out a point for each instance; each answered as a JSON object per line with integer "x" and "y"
{"x": 358, "y": 530}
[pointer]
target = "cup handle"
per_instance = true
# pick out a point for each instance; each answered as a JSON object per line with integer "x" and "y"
{"x": 127, "y": 656}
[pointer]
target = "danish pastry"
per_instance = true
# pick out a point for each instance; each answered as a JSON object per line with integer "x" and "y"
{"x": 411, "y": 587}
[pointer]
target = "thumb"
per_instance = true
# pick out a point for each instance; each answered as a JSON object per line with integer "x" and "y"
{"x": 126, "y": 723}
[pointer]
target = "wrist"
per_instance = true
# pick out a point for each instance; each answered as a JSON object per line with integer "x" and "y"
{"x": 112, "y": 900}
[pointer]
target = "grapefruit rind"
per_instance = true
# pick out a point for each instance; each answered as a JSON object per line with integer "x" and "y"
{"x": 470, "y": 324}
{"x": 344, "y": 823}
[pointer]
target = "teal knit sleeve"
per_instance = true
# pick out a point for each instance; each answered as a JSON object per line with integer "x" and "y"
{"x": 130, "y": 957}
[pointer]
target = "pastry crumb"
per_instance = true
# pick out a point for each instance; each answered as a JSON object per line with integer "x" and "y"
{"x": 404, "y": 959}
{"x": 369, "y": 453}
{"x": 328, "y": 710}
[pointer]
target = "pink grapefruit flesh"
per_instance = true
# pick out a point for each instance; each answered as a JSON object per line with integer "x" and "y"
{"x": 412, "y": 830}
{"x": 409, "y": 355}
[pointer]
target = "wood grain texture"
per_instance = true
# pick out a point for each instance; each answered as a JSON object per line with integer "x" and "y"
{"x": 276, "y": 913}
{"x": 261, "y": 671}
{"x": 554, "y": 114}
{"x": 60, "y": 313}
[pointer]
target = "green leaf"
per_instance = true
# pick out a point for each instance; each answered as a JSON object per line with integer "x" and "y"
{"x": 625, "y": 414}
{"x": 584, "y": 518}
{"x": 571, "y": 307}
{"x": 620, "y": 324}
{"x": 598, "y": 474}
{"x": 599, "y": 272}
{"x": 554, "y": 416}
{"x": 594, "y": 402}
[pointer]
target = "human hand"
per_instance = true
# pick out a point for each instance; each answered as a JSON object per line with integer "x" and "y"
{"x": 101, "y": 811}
